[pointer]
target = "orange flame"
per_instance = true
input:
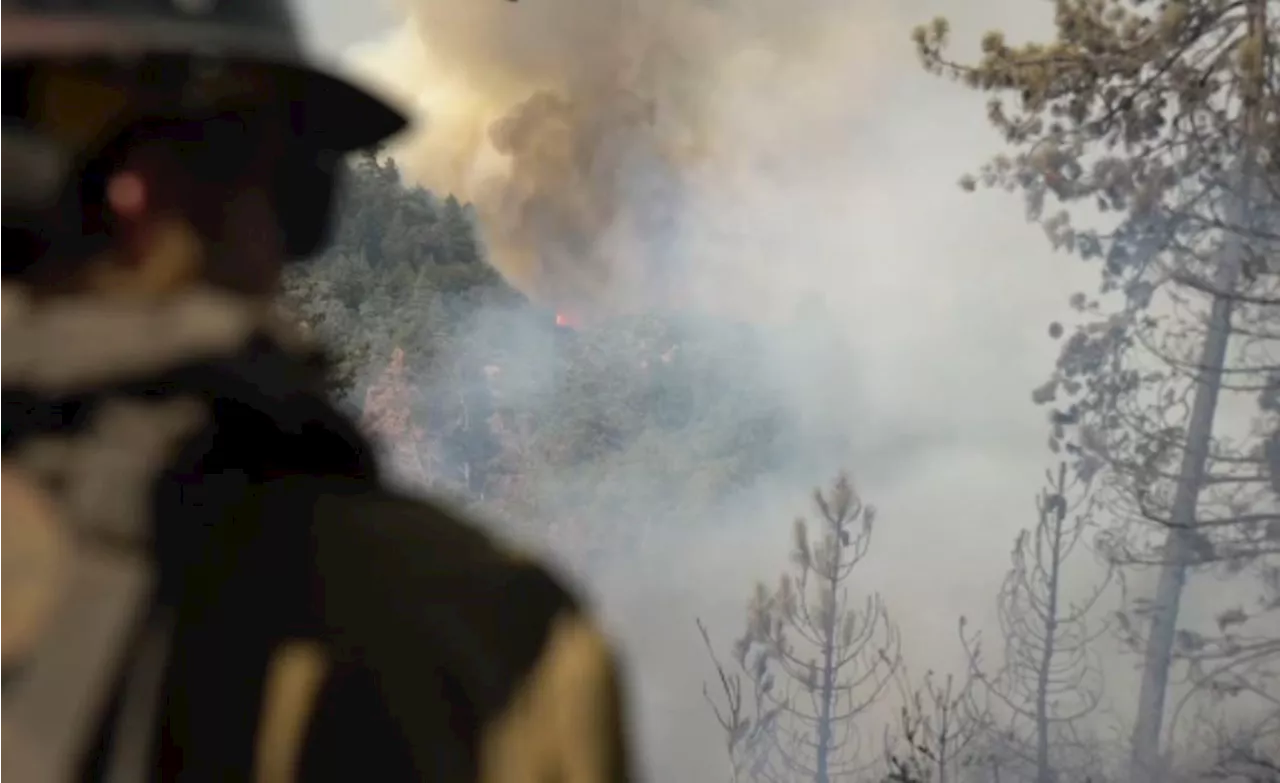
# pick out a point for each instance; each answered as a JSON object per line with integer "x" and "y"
{"x": 566, "y": 320}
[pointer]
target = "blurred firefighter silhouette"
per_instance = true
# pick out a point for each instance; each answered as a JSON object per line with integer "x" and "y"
{"x": 204, "y": 576}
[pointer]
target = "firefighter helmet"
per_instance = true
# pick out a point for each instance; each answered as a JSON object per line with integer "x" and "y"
{"x": 328, "y": 109}
{"x": 182, "y": 58}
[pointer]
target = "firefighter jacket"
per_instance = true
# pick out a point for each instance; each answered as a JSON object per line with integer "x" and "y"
{"x": 205, "y": 580}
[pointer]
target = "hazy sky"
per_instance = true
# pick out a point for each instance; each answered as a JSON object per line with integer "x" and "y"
{"x": 333, "y": 25}
{"x": 945, "y": 299}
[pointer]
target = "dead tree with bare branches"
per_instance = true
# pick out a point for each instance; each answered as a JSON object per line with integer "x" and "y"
{"x": 1048, "y": 678}
{"x": 940, "y": 730}
{"x": 743, "y": 712}
{"x": 812, "y": 660}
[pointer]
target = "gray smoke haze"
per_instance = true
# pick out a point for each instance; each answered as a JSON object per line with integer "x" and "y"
{"x": 738, "y": 157}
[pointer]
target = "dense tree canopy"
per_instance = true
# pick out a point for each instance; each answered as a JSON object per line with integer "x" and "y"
{"x": 509, "y": 409}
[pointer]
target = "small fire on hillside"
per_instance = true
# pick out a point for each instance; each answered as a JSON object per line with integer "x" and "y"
{"x": 567, "y": 321}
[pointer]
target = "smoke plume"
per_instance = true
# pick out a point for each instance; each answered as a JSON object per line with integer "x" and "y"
{"x": 590, "y": 135}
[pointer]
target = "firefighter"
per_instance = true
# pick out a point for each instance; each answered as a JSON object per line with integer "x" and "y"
{"x": 204, "y": 577}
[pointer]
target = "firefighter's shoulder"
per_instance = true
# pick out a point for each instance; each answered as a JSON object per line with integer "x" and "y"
{"x": 447, "y": 619}
{"x": 403, "y": 566}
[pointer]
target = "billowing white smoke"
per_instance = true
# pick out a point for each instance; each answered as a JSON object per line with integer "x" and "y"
{"x": 603, "y": 142}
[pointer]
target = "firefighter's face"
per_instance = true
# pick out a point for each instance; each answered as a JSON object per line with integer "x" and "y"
{"x": 213, "y": 180}
{"x": 185, "y": 187}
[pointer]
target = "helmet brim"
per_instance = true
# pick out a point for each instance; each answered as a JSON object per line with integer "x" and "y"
{"x": 335, "y": 114}
{"x": 331, "y": 112}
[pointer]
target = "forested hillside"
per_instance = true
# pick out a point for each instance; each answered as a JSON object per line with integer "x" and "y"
{"x": 497, "y": 404}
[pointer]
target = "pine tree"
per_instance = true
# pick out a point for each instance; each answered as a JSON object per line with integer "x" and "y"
{"x": 940, "y": 731}
{"x": 457, "y": 235}
{"x": 388, "y": 417}
{"x": 1048, "y": 681}
{"x": 1163, "y": 117}
{"x": 813, "y": 661}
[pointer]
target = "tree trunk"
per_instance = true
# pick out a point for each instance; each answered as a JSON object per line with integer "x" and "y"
{"x": 1044, "y": 773}
{"x": 1158, "y": 656}
{"x": 828, "y": 664}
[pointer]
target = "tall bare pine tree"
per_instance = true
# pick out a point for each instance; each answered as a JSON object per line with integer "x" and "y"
{"x": 1047, "y": 678}
{"x": 813, "y": 660}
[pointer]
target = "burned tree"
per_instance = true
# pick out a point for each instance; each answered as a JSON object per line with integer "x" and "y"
{"x": 1048, "y": 678}
{"x": 940, "y": 731}
{"x": 1163, "y": 116}
{"x": 812, "y": 661}
{"x": 746, "y": 715}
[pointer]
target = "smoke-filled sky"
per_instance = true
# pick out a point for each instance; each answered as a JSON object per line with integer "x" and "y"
{"x": 738, "y": 156}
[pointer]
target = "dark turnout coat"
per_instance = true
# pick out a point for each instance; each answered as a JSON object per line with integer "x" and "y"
{"x": 296, "y": 621}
